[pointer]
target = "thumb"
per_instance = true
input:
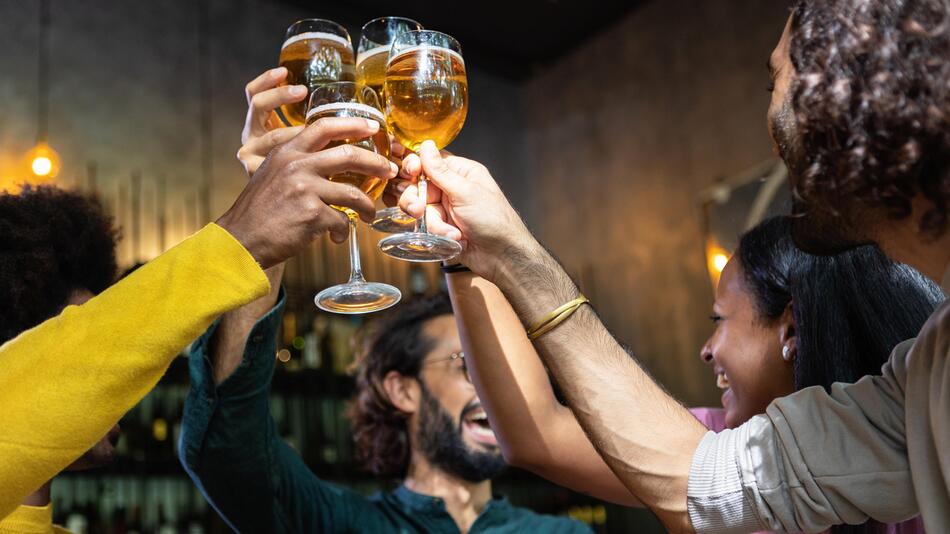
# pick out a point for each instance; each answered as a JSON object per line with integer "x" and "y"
{"x": 438, "y": 171}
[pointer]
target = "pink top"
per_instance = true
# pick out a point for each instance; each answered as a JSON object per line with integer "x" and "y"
{"x": 715, "y": 419}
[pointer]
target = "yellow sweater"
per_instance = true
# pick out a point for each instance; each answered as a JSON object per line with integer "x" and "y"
{"x": 31, "y": 520}
{"x": 64, "y": 383}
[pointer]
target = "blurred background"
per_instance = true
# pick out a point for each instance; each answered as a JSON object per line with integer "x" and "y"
{"x": 630, "y": 135}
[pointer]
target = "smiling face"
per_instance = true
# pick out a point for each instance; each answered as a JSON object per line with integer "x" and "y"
{"x": 452, "y": 428}
{"x": 744, "y": 351}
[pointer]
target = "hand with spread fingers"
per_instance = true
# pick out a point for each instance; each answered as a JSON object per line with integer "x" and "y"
{"x": 263, "y": 129}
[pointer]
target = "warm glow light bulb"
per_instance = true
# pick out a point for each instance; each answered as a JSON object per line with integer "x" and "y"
{"x": 43, "y": 163}
{"x": 41, "y": 166}
{"x": 719, "y": 261}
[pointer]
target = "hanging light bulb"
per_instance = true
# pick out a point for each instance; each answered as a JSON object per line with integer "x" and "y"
{"x": 44, "y": 162}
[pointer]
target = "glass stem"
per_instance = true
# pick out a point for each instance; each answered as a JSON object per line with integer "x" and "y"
{"x": 356, "y": 267}
{"x": 423, "y": 194}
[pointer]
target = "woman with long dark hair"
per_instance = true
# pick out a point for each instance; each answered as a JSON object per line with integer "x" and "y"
{"x": 774, "y": 307}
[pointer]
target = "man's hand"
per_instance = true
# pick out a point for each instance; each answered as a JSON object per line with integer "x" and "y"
{"x": 263, "y": 129}
{"x": 466, "y": 204}
{"x": 286, "y": 204}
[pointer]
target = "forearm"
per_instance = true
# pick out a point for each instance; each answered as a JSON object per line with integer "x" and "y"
{"x": 534, "y": 430}
{"x": 70, "y": 379}
{"x": 644, "y": 435}
{"x": 230, "y": 338}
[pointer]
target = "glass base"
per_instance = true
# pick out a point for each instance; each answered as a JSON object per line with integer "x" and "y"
{"x": 393, "y": 221}
{"x": 414, "y": 246}
{"x": 357, "y": 297}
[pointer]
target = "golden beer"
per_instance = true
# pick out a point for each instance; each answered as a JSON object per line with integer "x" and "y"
{"x": 371, "y": 68}
{"x": 312, "y": 58}
{"x": 426, "y": 95}
{"x": 378, "y": 143}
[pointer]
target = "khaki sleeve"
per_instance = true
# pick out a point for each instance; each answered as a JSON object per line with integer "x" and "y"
{"x": 64, "y": 383}
{"x": 815, "y": 459}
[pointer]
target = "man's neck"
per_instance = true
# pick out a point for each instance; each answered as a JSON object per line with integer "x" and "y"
{"x": 40, "y": 497}
{"x": 464, "y": 500}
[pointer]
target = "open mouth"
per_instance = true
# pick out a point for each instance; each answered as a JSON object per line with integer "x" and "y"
{"x": 475, "y": 423}
{"x": 722, "y": 380}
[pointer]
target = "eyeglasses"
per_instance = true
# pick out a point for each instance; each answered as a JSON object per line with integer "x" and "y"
{"x": 452, "y": 357}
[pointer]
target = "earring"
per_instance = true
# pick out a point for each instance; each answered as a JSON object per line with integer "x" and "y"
{"x": 786, "y": 352}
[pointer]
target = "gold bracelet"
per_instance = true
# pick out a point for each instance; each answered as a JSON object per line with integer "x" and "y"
{"x": 552, "y": 320}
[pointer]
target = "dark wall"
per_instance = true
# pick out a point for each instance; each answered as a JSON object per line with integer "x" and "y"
{"x": 126, "y": 94}
{"x": 622, "y": 135}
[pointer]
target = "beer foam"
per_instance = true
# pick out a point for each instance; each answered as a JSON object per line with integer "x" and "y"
{"x": 424, "y": 47}
{"x": 348, "y": 106}
{"x": 342, "y": 41}
{"x": 371, "y": 52}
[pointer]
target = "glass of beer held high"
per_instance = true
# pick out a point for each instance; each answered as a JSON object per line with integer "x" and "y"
{"x": 372, "y": 53}
{"x": 350, "y": 99}
{"x": 315, "y": 51}
{"x": 426, "y": 99}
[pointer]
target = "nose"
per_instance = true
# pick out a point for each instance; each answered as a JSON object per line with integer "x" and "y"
{"x": 705, "y": 353}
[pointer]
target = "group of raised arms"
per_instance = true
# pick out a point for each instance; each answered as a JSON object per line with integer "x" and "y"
{"x": 831, "y": 333}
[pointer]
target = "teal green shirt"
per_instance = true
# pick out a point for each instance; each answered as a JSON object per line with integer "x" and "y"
{"x": 230, "y": 448}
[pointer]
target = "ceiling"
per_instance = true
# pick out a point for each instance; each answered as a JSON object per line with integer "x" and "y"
{"x": 512, "y": 42}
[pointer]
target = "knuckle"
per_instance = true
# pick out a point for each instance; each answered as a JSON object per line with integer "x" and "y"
{"x": 348, "y": 153}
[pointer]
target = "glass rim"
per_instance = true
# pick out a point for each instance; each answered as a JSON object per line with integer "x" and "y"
{"x": 353, "y": 101}
{"x": 456, "y": 50}
{"x": 407, "y": 19}
{"x": 336, "y": 26}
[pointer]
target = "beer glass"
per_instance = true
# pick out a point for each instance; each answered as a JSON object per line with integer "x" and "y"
{"x": 376, "y": 38}
{"x": 350, "y": 99}
{"x": 426, "y": 99}
{"x": 315, "y": 51}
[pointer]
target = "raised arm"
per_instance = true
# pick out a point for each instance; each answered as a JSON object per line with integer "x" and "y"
{"x": 645, "y": 436}
{"x": 64, "y": 383}
{"x": 535, "y": 431}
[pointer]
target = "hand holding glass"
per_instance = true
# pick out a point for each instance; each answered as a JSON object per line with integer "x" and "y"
{"x": 349, "y": 99}
{"x": 426, "y": 99}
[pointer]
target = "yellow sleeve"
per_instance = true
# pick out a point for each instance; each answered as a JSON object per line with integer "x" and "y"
{"x": 64, "y": 383}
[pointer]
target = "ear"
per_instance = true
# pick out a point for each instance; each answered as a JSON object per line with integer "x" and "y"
{"x": 404, "y": 392}
{"x": 788, "y": 336}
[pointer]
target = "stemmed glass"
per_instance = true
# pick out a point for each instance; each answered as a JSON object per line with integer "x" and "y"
{"x": 350, "y": 99}
{"x": 376, "y": 39}
{"x": 426, "y": 99}
{"x": 315, "y": 51}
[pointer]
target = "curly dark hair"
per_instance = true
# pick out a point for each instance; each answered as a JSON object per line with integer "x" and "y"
{"x": 871, "y": 98}
{"x": 52, "y": 242}
{"x": 380, "y": 430}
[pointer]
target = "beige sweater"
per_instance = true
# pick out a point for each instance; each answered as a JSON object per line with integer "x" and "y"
{"x": 877, "y": 448}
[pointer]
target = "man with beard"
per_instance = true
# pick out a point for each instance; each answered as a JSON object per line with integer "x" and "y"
{"x": 65, "y": 255}
{"x": 416, "y": 417}
{"x": 861, "y": 114}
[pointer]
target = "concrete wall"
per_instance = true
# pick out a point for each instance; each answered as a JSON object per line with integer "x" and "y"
{"x": 622, "y": 135}
{"x": 126, "y": 95}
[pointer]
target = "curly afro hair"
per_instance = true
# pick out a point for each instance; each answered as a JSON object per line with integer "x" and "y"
{"x": 52, "y": 242}
{"x": 872, "y": 103}
{"x": 380, "y": 430}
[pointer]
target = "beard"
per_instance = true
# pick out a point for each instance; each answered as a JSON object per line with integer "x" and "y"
{"x": 440, "y": 441}
{"x": 816, "y": 230}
